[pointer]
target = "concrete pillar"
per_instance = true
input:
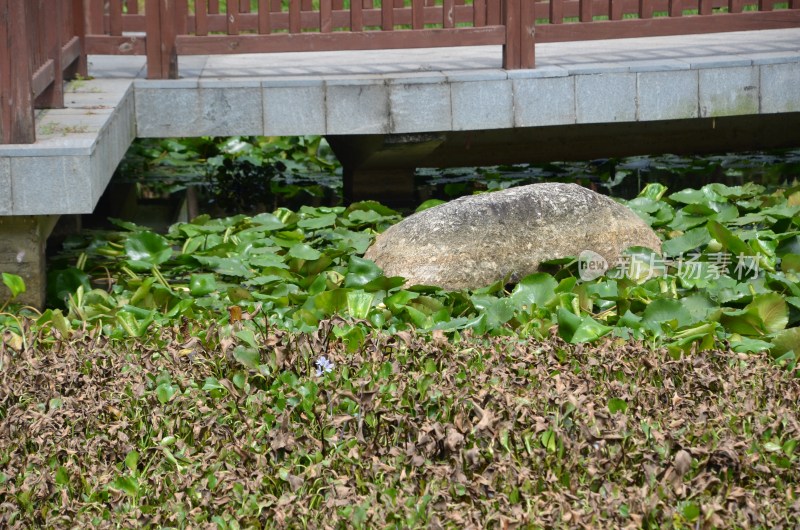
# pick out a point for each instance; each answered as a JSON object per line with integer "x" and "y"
{"x": 22, "y": 252}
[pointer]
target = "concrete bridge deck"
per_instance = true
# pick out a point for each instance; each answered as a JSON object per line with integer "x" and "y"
{"x": 389, "y": 111}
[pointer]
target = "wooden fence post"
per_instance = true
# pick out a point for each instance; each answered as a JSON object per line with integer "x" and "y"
{"x": 17, "y": 124}
{"x": 53, "y": 96}
{"x": 162, "y": 57}
{"x": 518, "y": 17}
{"x": 79, "y": 30}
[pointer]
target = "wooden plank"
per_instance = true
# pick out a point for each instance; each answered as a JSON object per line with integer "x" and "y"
{"x": 675, "y": 9}
{"x": 244, "y": 6}
{"x": 294, "y": 16}
{"x": 448, "y": 15}
{"x": 586, "y": 11}
{"x": 200, "y": 17}
{"x": 52, "y": 96}
{"x": 17, "y": 125}
{"x": 479, "y": 13}
{"x": 79, "y": 29}
{"x": 705, "y": 7}
{"x": 387, "y": 15}
{"x": 511, "y": 49}
{"x": 132, "y": 7}
{"x": 356, "y": 15}
{"x": 213, "y": 7}
{"x": 115, "y": 17}
{"x": 94, "y": 24}
{"x": 43, "y": 78}
{"x": 735, "y": 6}
{"x": 325, "y": 16}
{"x": 645, "y": 9}
{"x": 493, "y": 12}
{"x": 528, "y": 29}
{"x": 417, "y": 14}
{"x": 616, "y": 9}
{"x": 364, "y": 40}
{"x": 665, "y": 26}
{"x": 264, "y": 27}
{"x": 556, "y": 12}
{"x": 232, "y": 10}
{"x": 182, "y": 17}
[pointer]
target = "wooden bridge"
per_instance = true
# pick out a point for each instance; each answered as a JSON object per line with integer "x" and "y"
{"x": 393, "y": 84}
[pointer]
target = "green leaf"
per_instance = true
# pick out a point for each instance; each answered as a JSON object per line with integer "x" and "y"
{"x": 132, "y": 460}
{"x": 617, "y": 405}
{"x": 690, "y": 240}
{"x": 248, "y": 357}
{"x": 61, "y": 283}
{"x": 360, "y": 272}
{"x": 430, "y": 203}
{"x": 202, "y": 284}
{"x": 728, "y": 240}
{"x": 575, "y": 329}
{"x": 165, "y": 392}
{"x": 303, "y": 251}
{"x": 537, "y": 289}
{"x": 667, "y": 310}
{"x": 145, "y": 249}
{"x": 127, "y": 484}
{"x": 313, "y": 223}
{"x": 359, "y": 304}
{"x": 14, "y": 283}
{"x": 62, "y": 476}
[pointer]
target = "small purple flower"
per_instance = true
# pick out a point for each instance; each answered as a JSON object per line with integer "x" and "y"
{"x": 323, "y": 366}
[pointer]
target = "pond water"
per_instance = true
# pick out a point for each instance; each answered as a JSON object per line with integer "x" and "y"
{"x": 163, "y": 181}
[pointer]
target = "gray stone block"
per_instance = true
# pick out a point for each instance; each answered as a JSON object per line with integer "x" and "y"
{"x": 604, "y": 98}
{"x": 408, "y": 78}
{"x": 197, "y": 112}
{"x": 545, "y": 101}
{"x": 780, "y": 88}
{"x": 482, "y": 105}
{"x": 729, "y": 91}
{"x": 5, "y": 186}
{"x": 420, "y": 107}
{"x": 298, "y": 110}
{"x": 357, "y": 109}
{"x": 50, "y": 184}
{"x": 292, "y": 81}
{"x": 671, "y": 95}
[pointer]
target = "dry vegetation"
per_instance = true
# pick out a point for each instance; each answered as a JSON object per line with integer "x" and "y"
{"x": 408, "y": 431}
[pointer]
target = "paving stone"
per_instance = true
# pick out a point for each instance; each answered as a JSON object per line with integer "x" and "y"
{"x": 657, "y": 65}
{"x": 780, "y": 88}
{"x": 545, "y": 101}
{"x": 603, "y": 98}
{"x": 294, "y": 110}
{"x": 486, "y": 74}
{"x": 596, "y": 68}
{"x": 719, "y": 61}
{"x": 420, "y": 107}
{"x": 729, "y": 91}
{"x": 482, "y": 105}
{"x": 292, "y": 81}
{"x": 668, "y": 95}
{"x": 539, "y": 71}
{"x": 357, "y": 109}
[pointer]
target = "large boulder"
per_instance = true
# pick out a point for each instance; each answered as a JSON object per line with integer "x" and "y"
{"x": 474, "y": 241}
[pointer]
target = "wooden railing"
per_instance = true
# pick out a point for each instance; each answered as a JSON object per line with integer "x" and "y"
{"x": 40, "y": 46}
{"x": 200, "y": 27}
{"x": 43, "y": 42}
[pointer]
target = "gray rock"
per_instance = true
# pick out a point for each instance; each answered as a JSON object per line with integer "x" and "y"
{"x": 474, "y": 241}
